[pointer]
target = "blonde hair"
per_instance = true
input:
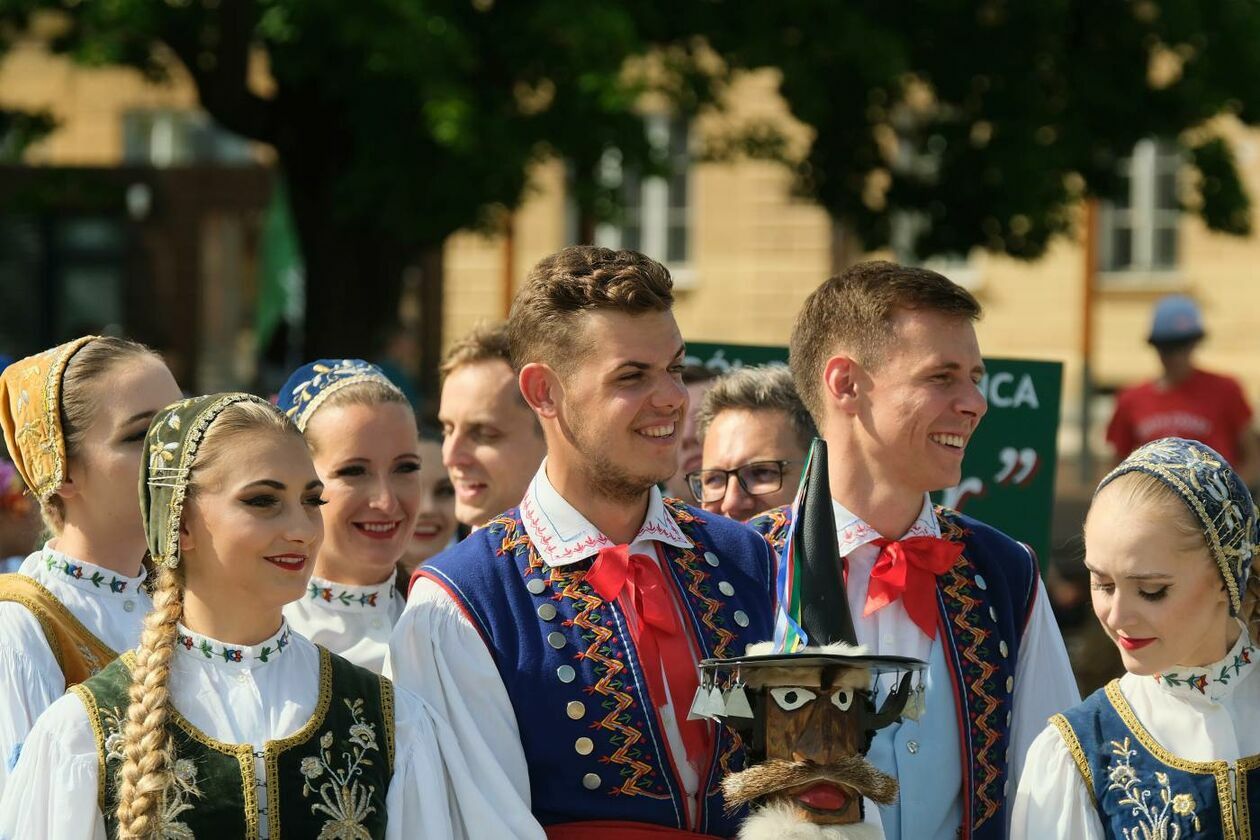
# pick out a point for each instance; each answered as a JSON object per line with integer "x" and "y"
{"x": 1140, "y": 490}
{"x": 368, "y": 393}
{"x": 146, "y": 772}
{"x": 80, "y": 385}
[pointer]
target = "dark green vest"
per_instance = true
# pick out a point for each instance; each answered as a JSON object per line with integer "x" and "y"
{"x": 328, "y": 779}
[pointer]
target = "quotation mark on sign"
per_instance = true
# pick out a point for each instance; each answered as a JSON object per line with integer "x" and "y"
{"x": 1019, "y": 466}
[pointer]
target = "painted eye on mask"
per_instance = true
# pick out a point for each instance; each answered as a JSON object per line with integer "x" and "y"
{"x": 789, "y": 698}
{"x": 842, "y": 699}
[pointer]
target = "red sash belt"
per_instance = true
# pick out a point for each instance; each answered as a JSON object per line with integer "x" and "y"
{"x": 619, "y": 830}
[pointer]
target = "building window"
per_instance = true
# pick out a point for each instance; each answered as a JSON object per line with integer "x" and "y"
{"x": 655, "y": 219}
{"x": 1138, "y": 232}
{"x": 179, "y": 138}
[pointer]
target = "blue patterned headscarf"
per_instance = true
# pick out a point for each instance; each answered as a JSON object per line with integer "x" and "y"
{"x": 310, "y": 385}
{"x": 1217, "y": 497}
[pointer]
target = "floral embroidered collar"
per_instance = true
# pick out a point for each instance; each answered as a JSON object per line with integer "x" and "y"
{"x": 1214, "y": 681}
{"x": 204, "y": 647}
{"x": 564, "y": 536}
{"x": 86, "y": 576}
{"x": 854, "y": 533}
{"x": 344, "y": 597}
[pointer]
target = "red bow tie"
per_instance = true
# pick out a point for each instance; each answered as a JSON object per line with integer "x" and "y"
{"x": 907, "y": 569}
{"x": 616, "y": 569}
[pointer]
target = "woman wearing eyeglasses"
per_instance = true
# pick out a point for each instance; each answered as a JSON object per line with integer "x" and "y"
{"x": 756, "y": 431}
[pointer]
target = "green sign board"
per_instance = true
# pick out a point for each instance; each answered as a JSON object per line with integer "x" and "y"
{"x": 1009, "y": 468}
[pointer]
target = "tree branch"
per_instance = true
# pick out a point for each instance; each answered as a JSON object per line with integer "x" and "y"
{"x": 215, "y": 44}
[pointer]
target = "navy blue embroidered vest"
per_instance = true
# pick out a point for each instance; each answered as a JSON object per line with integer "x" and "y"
{"x": 1142, "y": 790}
{"x": 591, "y": 736}
{"x": 984, "y": 602}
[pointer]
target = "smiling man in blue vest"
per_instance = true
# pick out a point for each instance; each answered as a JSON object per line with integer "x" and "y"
{"x": 886, "y": 359}
{"x": 561, "y": 639}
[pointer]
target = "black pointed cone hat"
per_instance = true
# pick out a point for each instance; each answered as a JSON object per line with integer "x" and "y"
{"x": 825, "y": 615}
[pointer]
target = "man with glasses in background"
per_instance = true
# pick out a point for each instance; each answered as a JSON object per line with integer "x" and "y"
{"x": 755, "y": 432}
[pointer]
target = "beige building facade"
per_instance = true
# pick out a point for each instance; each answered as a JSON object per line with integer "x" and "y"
{"x": 745, "y": 251}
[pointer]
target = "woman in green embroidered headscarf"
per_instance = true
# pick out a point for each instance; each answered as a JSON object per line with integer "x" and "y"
{"x": 1172, "y": 748}
{"x": 223, "y": 721}
{"x": 74, "y": 419}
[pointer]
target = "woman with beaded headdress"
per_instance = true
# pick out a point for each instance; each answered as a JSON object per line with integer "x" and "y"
{"x": 74, "y": 419}
{"x": 1171, "y": 749}
{"x": 363, "y": 438}
{"x": 224, "y": 720}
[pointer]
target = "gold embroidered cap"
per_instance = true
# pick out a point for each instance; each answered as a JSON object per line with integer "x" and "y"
{"x": 1215, "y": 494}
{"x": 171, "y": 445}
{"x": 30, "y": 413}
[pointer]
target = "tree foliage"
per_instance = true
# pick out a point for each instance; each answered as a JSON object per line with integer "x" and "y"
{"x": 984, "y": 123}
{"x": 398, "y": 122}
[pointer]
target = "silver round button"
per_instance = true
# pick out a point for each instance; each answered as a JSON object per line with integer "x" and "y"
{"x": 584, "y": 746}
{"x": 129, "y": 606}
{"x": 536, "y": 586}
{"x": 576, "y": 710}
{"x": 726, "y": 589}
{"x": 912, "y": 747}
{"x": 1003, "y": 648}
{"x": 1010, "y": 684}
{"x": 566, "y": 673}
{"x": 547, "y": 612}
{"x": 556, "y": 640}
{"x": 993, "y": 614}
{"x": 980, "y": 582}
{"x": 711, "y": 559}
{"x": 741, "y": 618}
{"x": 591, "y": 781}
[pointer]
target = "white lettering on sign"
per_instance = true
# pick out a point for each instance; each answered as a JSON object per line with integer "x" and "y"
{"x": 956, "y": 497}
{"x": 1002, "y": 391}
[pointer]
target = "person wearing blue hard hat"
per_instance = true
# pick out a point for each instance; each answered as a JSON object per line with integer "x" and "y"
{"x": 1184, "y": 401}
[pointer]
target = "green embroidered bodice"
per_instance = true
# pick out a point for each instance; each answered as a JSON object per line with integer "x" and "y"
{"x": 329, "y": 779}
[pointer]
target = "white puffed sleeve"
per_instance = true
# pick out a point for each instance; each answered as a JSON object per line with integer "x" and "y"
{"x": 1052, "y": 802}
{"x": 52, "y": 793}
{"x": 438, "y": 654}
{"x": 435, "y": 794}
{"x": 30, "y": 680}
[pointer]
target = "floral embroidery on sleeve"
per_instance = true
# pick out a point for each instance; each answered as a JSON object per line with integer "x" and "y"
{"x": 345, "y": 800}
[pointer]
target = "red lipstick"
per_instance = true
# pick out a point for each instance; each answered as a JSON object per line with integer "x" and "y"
{"x": 1133, "y": 644}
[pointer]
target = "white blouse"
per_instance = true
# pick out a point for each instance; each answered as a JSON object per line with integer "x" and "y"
{"x": 269, "y": 694}
{"x": 352, "y": 621}
{"x": 112, "y": 607}
{"x": 1192, "y": 712}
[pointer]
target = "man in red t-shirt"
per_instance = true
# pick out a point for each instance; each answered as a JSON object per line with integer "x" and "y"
{"x": 1185, "y": 401}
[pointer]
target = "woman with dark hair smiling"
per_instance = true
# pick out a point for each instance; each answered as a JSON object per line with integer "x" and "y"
{"x": 224, "y": 721}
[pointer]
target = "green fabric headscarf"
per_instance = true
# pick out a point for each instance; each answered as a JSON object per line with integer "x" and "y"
{"x": 171, "y": 446}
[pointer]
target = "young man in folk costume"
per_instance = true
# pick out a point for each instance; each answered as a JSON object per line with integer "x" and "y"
{"x": 810, "y": 701}
{"x": 561, "y": 639}
{"x": 887, "y": 361}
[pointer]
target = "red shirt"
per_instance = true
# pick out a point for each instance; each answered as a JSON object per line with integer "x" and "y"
{"x": 1206, "y": 407}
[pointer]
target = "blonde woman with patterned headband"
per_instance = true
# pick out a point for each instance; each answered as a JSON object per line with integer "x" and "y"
{"x": 1171, "y": 749}
{"x": 224, "y": 721}
{"x": 363, "y": 437}
{"x": 74, "y": 419}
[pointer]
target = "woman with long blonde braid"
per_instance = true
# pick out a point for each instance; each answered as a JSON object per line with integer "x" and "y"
{"x": 225, "y": 722}
{"x": 143, "y": 777}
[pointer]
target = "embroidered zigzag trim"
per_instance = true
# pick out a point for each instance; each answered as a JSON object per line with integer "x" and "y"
{"x": 635, "y": 773}
{"x": 973, "y": 638}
